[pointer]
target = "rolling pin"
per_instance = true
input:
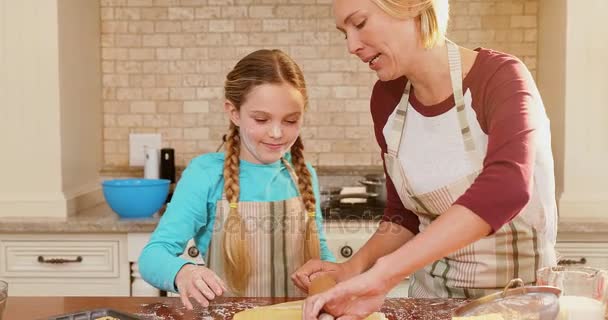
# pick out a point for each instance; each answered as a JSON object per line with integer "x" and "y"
{"x": 318, "y": 285}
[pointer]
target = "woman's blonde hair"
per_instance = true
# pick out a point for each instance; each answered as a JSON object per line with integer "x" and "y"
{"x": 260, "y": 67}
{"x": 433, "y": 15}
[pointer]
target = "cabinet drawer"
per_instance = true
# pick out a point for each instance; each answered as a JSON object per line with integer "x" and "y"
{"x": 56, "y": 259}
{"x": 588, "y": 254}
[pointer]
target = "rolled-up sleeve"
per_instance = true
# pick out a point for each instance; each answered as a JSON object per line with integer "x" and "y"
{"x": 504, "y": 186}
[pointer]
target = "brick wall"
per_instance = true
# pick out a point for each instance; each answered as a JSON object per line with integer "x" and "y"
{"x": 164, "y": 62}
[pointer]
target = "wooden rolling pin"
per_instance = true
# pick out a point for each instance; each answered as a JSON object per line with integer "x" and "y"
{"x": 318, "y": 285}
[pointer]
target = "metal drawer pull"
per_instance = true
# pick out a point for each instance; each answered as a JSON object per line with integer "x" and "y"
{"x": 567, "y": 262}
{"x": 41, "y": 259}
{"x": 193, "y": 252}
{"x": 346, "y": 251}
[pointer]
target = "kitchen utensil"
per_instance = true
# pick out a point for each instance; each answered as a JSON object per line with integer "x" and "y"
{"x": 376, "y": 184}
{"x": 167, "y": 164}
{"x": 135, "y": 198}
{"x": 96, "y": 314}
{"x": 151, "y": 163}
{"x": 584, "y": 290}
{"x": 3, "y": 297}
{"x": 516, "y": 301}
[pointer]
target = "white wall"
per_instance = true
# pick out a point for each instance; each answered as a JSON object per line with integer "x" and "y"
{"x": 80, "y": 92}
{"x": 573, "y": 69}
{"x": 49, "y": 103}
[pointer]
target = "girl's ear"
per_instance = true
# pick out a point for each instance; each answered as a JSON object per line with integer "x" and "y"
{"x": 233, "y": 113}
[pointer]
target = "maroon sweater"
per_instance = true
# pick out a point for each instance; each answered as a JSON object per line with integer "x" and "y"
{"x": 503, "y": 94}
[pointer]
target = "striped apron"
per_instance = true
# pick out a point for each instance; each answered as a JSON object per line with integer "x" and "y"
{"x": 516, "y": 250}
{"x": 275, "y": 238}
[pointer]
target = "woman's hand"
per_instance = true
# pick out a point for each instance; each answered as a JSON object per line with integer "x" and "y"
{"x": 355, "y": 298}
{"x": 315, "y": 267}
{"x": 200, "y": 283}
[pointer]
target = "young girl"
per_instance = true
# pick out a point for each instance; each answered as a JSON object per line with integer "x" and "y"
{"x": 251, "y": 210}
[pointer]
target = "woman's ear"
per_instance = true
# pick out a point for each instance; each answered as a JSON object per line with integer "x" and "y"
{"x": 233, "y": 113}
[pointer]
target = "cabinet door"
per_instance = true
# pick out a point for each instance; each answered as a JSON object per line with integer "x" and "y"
{"x": 588, "y": 254}
{"x": 65, "y": 264}
{"x": 346, "y": 238}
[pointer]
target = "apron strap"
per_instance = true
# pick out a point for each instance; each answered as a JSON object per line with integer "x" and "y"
{"x": 465, "y": 129}
{"x": 393, "y": 141}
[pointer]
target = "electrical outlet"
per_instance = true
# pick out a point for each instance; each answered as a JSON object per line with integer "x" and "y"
{"x": 137, "y": 143}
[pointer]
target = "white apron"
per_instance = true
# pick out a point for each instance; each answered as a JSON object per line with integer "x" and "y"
{"x": 275, "y": 238}
{"x": 516, "y": 250}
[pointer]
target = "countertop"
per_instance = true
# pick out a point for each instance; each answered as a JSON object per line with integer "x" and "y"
{"x": 153, "y": 308}
{"x": 101, "y": 219}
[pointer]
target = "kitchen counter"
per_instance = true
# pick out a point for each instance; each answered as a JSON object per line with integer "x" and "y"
{"x": 101, "y": 219}
{"x": 148, "y": 308}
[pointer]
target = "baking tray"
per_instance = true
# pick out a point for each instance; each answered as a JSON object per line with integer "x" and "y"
{"x": 95, "y": 314}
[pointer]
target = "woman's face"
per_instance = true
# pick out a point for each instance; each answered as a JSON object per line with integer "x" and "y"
{"x": 269, "y": 120}
{"x": 388, "y": 45}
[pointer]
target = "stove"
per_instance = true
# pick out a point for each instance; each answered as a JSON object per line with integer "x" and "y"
{"x": 350, "y": 203}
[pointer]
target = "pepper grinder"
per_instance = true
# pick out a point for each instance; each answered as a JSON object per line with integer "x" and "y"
{"x": 167, "y": 168}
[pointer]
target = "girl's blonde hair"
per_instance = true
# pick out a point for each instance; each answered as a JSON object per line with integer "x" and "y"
{"x": 260, "y": 67}
{"x": 433, "y": 15}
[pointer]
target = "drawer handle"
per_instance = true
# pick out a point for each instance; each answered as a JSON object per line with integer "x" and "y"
{"x": 568, "y": 262}
{"x": 193, "y": 252}
{"x": 42, "y": 259}
{"x": 346, "y": 251}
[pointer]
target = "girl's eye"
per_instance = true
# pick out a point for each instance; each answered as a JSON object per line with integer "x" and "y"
{"x": 291, "y": 121}
{"x": 260, "y": 120}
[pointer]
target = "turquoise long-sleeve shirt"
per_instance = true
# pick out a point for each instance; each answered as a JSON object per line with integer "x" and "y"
{"x": 191, "y": 212}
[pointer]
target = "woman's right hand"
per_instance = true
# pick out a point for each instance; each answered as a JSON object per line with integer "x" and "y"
{"x": 315, "y": 267}
{"x": 200, "y": 283}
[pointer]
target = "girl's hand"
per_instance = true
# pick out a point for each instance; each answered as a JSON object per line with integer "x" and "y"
{"x": 200, "y": 283}
{"x": 355, "y": 298}
{"x": 315, "y": 267}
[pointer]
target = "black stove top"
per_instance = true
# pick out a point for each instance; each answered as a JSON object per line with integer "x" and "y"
{"x": 361, "y": 212}
{"x": 366, "y": 208}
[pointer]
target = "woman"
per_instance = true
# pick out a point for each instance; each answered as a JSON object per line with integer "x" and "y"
{"x": 252, "y": 210}
{"x": 466, "y": 147}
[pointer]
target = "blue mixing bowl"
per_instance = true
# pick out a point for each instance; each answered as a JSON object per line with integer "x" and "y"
{"x": 135, "y": 198}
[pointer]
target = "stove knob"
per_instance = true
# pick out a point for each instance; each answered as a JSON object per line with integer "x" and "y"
{"x": 193, "y": 252}
{"x": 346, "y": 251}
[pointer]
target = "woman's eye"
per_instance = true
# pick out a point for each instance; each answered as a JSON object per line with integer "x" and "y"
{"x": 361, "y": 24}
{"x": 260, "y": 120}
{"x": 291, "y": 121}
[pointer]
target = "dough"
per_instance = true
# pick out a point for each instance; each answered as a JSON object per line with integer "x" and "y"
{"x": 490, "y": 316}
{"x": 284, "y": 311}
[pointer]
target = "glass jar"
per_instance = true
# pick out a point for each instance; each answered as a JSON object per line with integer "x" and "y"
{"x": 584, "y": 291}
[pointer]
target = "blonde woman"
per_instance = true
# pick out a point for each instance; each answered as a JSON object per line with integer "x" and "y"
{"x": 251, "y": 210}
{"x": 467, "y": 151}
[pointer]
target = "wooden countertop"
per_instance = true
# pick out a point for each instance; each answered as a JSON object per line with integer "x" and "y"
{"x": 155, "y": 308}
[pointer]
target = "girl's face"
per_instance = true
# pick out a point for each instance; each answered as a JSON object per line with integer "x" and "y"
{"x": 388, "y": 45}
{"x": 269, "y": 120}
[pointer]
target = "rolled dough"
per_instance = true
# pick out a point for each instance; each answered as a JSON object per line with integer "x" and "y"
{"x": 284, "y": 311}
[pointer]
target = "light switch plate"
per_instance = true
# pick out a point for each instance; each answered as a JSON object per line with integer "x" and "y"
{"x": 137, "y": 142}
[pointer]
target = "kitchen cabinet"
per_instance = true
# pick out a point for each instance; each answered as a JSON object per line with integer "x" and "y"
{"x": 583, "y": 254}
{"x": 345, "y": 237}
{"x": 96, "y": 253}
{"x": 583, "y": 243}
{"x": 65, "y": 264}
{"x": 136, "y": 243}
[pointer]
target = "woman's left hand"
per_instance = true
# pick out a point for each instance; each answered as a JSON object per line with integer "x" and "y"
{"x": 355, "y": 298}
